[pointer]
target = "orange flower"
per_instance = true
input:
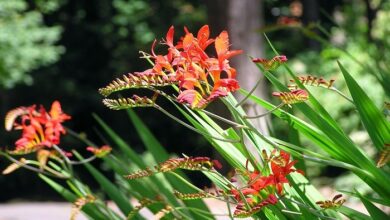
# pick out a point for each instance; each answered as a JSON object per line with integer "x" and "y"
{"x": 197, "y": 74}
{"x": 39, "y": 128}
{"x": 261, "y": 189}
{"x": 100, "y": 152}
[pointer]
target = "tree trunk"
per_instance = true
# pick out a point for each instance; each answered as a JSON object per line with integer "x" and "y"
{"x": 242, "y": 19}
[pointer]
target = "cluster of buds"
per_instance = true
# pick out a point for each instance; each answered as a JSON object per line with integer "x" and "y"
{"x": 384, "y": 156}
{"x": 100, "y": 152}
{"x": 292, "y": 97}
{"x": 191, "y": 196}
{"x": 335, "y": 203}
{"x": 79, "y": 204}
{"x": 187, "y": 163}
{"x": 263, "y": 187}
{"x": 144, "y": 202}
{"x": 312, "y": 81}
{"x": 136, "y": 81}
{"x": 200, "y": 78}
{"x": 272, "y": 64}
{"x": 124, "y": 103}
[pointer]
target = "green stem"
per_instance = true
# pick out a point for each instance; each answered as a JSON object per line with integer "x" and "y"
{"x": 249, "y": 94}
{"x": 66, "y": 159}
{"x": 341, "y": 94}
{"x": 265, "y": 114}
{"x": 49, "y": 171}
{"x": 192, "y": 128}
{"x": 224, "y": 119}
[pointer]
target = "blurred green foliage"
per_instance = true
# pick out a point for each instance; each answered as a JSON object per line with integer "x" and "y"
{"x": 26, "y": 42}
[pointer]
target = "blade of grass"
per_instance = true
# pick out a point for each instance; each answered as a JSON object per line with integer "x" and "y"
{"x": 90, "y": 210}
{"x": 160, "y": 155}
{"x": 375, "y": 212}
{"x": 374, "y": 121}
{"x": 110, "y": 188}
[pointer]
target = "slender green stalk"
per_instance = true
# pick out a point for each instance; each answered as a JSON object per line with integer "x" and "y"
{"x": 192, "y": 128}
{"x": 249, "y": 94}
{"x": 49, "y": 171}
{"x": 265, "y": 114}
{"x": 66, "y": 159}
{"x": 237, "y": 125}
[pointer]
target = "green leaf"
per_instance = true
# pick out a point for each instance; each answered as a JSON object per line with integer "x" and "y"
{"x": 110, "y": 188}
{"x": 89, "y": 209}
{"x": 353, "y": 214}
{"x": 374, "y": 121}
{"x": 124, "y": 147}
{"x": 375, "y": 212}
{"x": 160, "y": 155}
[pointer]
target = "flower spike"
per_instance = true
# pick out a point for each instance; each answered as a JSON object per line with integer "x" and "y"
{"x": 192, "y": 196}
{"x": 293, "y": 97}
{"x": 312, "y": 81}
{"x": 13, "y": 115}
{"x": 335, "y": 203}
{"x": 187, "y": 163}
{"x": 142, "y": 204}
{"x": 124, "y": 103}
{"x": 384, "y": 156}
{"x": 135, "y": 81}
{"x": 79, "y": 203}
{"x": 270, "y": 65}
{"x": 140, "y": 174}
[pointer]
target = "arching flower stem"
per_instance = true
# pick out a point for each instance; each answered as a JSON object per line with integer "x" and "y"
{"x": 66, "y": 159}
{"x": 265, "y": 114}
{"x": 237, "y": 125}
{"x": 341, "y": 94}
{"x": 46, "y": 170}
{"x": 249, "y": 94}
{"x": 191, "y": 127}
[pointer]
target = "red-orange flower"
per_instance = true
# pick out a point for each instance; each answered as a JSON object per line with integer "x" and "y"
{"x": 100, "y": 152}
{"x": 261, "y": 189}
{"x": 198, "y": 75}
{"x": 39, "y": 128}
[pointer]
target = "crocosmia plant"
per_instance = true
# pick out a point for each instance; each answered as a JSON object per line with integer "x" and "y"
{"x": 200, "y": 78}
{"x": 264, "y": 181}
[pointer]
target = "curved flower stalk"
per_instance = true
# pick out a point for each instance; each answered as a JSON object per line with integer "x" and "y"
{"x": 136, "y": 81}
{"x": 199, "y": 77}
{"x": 287, "y": 98}
{"x": 335, "y": 203}
{"x": 266, "y": 65}
{"x": 272, "y": 64}
{"x": 186, "y": 163}
{"x": 312, "y": 81}
{"x": 79, "y": 204}
{"x": 384, "y": 156}
{"x": 317, "y": 82}
{"x": 145, "y": 202}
